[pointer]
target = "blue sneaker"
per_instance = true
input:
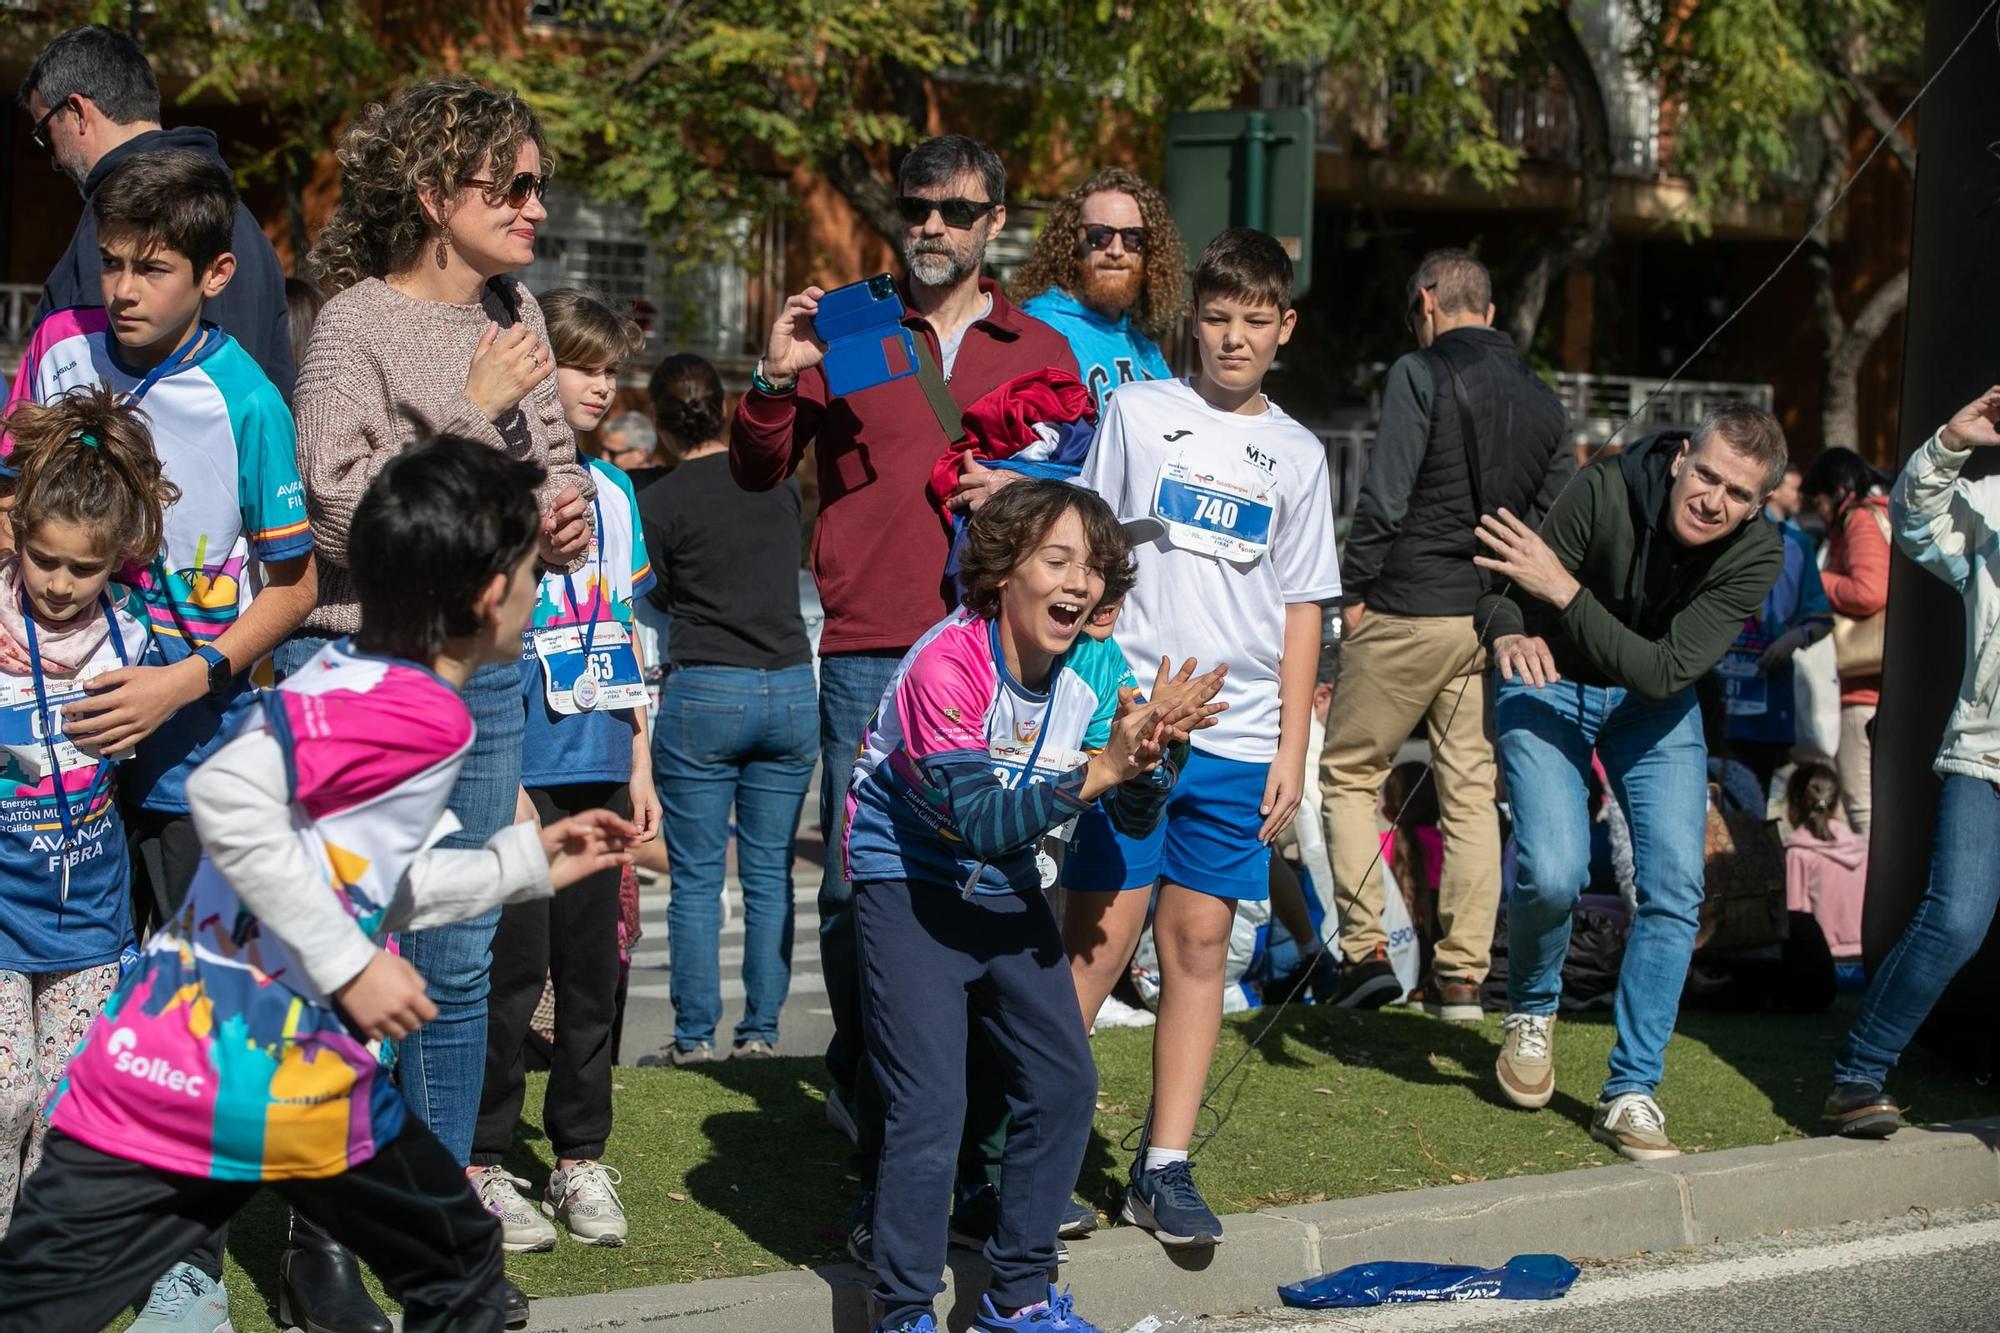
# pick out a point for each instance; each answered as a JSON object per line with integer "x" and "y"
{"x": 975, "y": 1213}
{"x": 1057, "y": 1314}
{"x": 185, "y": 1300}
{"x": 1078, "y": 1219}
{"x": 1165, "y": 1202}
{"x": 923, "y": 1323}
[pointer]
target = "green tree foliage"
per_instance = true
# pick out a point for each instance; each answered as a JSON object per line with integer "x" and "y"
{"x": 1749, "y": 79}
{"x": 693, "y": 111}
{"x": 307, "y": 63}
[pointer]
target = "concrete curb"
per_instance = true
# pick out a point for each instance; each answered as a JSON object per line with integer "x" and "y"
{"x": 1122, "y": 1275}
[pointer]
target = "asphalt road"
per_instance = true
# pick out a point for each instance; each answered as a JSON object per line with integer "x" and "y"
{"x": 1925, "y": 1273}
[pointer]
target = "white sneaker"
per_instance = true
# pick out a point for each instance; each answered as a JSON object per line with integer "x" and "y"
{"x": 522, "y": 1229}
{"x": 1115, "y": 1013}
{"x": 185, "y": 1300}
{"x": 1634, "y": 1126}
{"x": 584, "y": 1199}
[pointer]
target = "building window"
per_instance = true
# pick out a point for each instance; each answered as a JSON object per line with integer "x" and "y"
{"x": 706, "y": 306}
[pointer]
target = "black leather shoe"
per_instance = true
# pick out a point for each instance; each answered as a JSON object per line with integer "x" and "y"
{"x": 319, "y": 1286}
{"x": 1856, "y": 1111}
{"x": 515, "y": 1302}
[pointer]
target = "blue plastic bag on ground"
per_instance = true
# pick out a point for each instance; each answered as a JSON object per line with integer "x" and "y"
{"x": 1525, "y": 1277}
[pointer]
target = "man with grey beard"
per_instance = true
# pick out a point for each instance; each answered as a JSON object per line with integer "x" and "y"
{"x": 879, "y": 548}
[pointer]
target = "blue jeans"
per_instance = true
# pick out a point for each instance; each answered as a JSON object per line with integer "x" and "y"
{"x": 1949, "y": 926}
{"x": 850, "y": 685}
{"x": 1654, "y": 754}
{"x": 732, "y": 737}
{"x": 441, "y": 1069}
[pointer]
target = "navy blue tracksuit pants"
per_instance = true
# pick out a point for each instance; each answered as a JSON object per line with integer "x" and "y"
{"x": 933, "y": 962}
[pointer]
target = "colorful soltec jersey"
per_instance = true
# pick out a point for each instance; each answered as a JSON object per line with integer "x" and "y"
{"x": 566, "y": 741}
{"x": 952, "y": 696}
{"x": 1108, "y": 352}
{"x": 1248, "y": 516}
{"x": 49, "y": 922}
{"x": 218, "y": 1056}
{"x": 225, "y": 438}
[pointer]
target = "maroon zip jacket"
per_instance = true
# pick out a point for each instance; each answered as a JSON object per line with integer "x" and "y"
{"x": 878, "y": 550}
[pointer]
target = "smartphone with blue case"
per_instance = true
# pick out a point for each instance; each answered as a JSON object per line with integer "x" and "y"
{"x": 866, "y": 343}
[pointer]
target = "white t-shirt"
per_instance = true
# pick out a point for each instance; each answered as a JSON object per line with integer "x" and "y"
{"x": 1249, "y": 515}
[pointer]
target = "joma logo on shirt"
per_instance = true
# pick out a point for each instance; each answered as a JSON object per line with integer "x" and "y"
{"x": 157, "y": 1071}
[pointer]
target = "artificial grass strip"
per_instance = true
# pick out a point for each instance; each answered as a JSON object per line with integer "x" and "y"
{"x": 731, "y": 1169}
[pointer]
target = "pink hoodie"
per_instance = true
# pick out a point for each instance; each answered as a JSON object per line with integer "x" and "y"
{"x": 1826, "y": 879}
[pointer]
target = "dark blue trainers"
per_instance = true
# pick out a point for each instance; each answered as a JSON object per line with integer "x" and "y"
{"x": 1165, "y": 1202}
{"x": 1078, "y": 1219}
{"x": 975, "y": 1212}
{"x": 1057, "y": 1314}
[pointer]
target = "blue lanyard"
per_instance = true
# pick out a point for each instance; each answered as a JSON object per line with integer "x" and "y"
{"x": 569, "y": 585}
{"x": 48, "y": 734}
{"x": 186, "y": 356}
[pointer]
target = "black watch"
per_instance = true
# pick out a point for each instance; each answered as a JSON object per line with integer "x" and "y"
{"x": 220, "y": 677}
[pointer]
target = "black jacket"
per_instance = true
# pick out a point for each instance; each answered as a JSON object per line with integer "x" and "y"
{"x": 251, "y": 308}
{"x": 1409, "y": 551}
{"x": 1653, "y": 616}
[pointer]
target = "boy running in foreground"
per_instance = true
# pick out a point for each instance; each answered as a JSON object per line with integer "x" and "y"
{"x": 235, "y": 1053}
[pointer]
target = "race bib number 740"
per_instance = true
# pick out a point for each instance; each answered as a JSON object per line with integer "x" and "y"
{"x": 1223, "y": 512}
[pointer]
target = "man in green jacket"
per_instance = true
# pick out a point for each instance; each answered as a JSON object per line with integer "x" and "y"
{"x": 1644, "y": 574}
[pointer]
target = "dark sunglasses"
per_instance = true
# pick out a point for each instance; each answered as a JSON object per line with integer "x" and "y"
{"x": 515, "y": 191}
{"x": 957, "y": 213}
{"x": 1098, "y": 237}
{"x": 40, "y": 134}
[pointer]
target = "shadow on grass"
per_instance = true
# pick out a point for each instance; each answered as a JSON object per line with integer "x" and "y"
{"x": 1402, "y": 1045}
{"x": 777, "y": 1173}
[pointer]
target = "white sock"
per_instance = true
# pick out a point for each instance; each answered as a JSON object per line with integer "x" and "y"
{"x": 1159, "y": 1157}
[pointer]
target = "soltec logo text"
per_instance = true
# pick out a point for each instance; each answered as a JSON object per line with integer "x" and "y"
{"x": 156, "y": 1070}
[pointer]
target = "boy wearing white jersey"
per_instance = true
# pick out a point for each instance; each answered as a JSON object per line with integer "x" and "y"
{"x": 1246, "y": 557}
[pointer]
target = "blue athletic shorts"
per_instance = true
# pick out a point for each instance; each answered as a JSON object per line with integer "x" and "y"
{"x": 1206, "y": 839}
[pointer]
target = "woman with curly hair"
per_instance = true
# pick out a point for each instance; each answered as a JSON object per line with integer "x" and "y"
{"x": 1107, "y": 272}
{"x": 427, "y": 330}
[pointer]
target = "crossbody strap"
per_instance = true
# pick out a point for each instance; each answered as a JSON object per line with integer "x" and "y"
{"x": 949, "y": 419}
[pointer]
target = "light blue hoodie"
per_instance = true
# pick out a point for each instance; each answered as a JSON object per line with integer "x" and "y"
{"x": 1108, "y": 353}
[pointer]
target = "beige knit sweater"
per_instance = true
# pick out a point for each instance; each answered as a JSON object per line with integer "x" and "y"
{"x": 377, "y": 358}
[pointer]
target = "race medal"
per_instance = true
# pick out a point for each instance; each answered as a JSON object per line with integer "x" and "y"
{"x": 1215, "y": 508}
{"x": 588, "y": 667}
{"x": 1045, "y": 865}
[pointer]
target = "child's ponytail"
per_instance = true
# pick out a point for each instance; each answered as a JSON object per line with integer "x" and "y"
{"x": 87, "y": 458}
{"x": 1812, "y": 798}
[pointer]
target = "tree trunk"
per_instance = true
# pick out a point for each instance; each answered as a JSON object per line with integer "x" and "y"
{"x": 1840, "y": 409}
{"x": 1587, "y": 235}
{"x": 1844, "y": 344}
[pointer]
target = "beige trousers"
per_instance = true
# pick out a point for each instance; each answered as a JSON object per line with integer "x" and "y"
{"x": 1396, "y": 671}
{"x": 1854, "y": 764}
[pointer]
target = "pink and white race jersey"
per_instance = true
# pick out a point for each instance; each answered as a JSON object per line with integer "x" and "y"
{"x": 218, "y": 1056}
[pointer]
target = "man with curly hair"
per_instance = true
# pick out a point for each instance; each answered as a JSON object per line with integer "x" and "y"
{"x": 1107, "y": 272}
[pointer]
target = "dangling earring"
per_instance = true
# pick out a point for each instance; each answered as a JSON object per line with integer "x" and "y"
{"x": 444, "y": 243}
